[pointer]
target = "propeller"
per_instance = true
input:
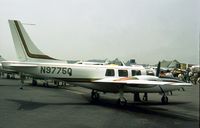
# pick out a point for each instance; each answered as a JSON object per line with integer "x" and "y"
{"x": 158, "y": 70}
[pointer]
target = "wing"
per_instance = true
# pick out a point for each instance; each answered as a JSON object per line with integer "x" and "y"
{"x": 132, "y": 82}
{"x": 135, "y": 82}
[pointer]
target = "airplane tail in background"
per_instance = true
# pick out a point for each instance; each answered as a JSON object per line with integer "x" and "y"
{"x": 25, "y": 48}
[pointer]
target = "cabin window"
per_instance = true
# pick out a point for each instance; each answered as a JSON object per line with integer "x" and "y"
{"x": 136, "y": 72}
{"x": 123, "y": 73}
{"x": 110, "y": 72}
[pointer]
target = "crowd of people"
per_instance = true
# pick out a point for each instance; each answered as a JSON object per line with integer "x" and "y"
{"x": 188, "y": 75}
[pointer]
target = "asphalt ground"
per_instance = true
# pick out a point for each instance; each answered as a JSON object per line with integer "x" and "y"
{"x": 70, "y": 107}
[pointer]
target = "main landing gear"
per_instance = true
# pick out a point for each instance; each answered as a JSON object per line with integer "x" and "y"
{"x": 164, "y": 98}
{"x": 22, "y": 81}
{"x": 145, "y": 97}
{"x": 46, "y": 84}
{"x": 95, "y": 96}
{"x": 34, "y": 82}
{"x": 122, "y": 100}
{"x": 136, "y": 97}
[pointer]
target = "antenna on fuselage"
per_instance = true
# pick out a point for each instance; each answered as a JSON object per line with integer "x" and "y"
{"x": 28, "y": 24}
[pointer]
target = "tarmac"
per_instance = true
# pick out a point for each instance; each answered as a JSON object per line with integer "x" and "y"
{"x": 70, "y": 107}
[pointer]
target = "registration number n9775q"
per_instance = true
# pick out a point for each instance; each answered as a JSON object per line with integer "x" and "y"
{"x": 55, "y": 70}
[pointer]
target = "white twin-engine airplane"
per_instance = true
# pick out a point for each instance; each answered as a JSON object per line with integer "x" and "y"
{"x": 98, "y": 78}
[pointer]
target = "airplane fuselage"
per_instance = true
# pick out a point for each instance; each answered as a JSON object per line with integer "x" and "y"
{"x": 84, "y": 75}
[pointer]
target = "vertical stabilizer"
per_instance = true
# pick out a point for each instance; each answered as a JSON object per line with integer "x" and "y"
{"x": 25, "y": 48}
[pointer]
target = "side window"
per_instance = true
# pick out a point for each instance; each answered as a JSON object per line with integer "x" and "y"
{"x": 110, "y": 72}
{"x": 123, "y": 73}
{"x": 135, "y": 72}
{"x": 138, "y": 72}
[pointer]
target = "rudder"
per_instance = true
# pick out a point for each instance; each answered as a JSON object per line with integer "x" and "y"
{"x": 25, "y": 48}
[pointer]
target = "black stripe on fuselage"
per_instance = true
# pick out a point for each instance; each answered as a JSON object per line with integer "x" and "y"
{"x": 31, "y": 55}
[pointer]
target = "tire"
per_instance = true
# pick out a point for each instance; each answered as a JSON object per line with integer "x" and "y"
{"x": 164, "y": 100}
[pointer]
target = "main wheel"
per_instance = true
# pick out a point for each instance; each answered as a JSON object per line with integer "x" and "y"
{"x": 95, "y": 96}
{"x": 164, "y": 100}
{"x": 122, "y": 102}
{"x": 145, "y": 97}
{"x": 45, "y": 84}
{"x": 8, "y": 76}
{"x": 34, "y": 82}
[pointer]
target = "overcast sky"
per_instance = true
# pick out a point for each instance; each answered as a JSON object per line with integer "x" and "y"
{"x": 147, "y": 30}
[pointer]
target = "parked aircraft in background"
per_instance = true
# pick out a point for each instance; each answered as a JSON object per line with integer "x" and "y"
{"x": 98, "y": 78}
